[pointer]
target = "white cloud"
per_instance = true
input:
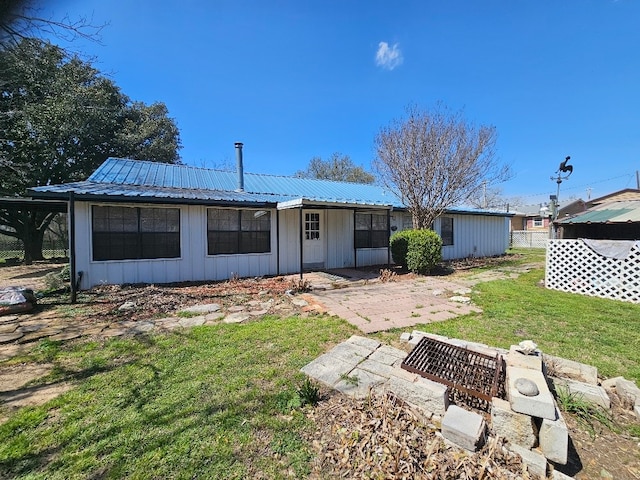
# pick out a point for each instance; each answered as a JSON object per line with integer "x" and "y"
{"x": 388, "y": 57}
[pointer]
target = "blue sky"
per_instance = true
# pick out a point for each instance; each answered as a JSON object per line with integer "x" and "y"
{"x": 298, "y": 79}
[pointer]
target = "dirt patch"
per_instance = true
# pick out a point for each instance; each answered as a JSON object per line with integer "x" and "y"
{"x": 14, "y": 393}
{"x": 28, "y": 276}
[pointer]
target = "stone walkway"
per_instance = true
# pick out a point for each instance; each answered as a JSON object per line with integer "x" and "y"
{"x": 374, "y": 306}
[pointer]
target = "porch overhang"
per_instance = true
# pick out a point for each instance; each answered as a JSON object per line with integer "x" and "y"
{"x": 311, "y": 203}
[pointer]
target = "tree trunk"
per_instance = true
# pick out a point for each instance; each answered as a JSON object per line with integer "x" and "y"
{"x": 33, "y": 244}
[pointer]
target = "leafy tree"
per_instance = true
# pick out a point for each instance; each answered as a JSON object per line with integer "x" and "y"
{"x": 435, "y": 160}
{"x": 337, "y": 167}
{"x": 60, "y": 119}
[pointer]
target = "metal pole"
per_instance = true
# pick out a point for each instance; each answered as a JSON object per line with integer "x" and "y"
{"x": 72, "y": 246}
{"x": 301, "y": 243}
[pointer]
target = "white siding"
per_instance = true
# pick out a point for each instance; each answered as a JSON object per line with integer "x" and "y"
{"x": 193, "y": 265}
{"x": 289, "y": 241}
{"x": 339, "y": 238}
{"x": 476, "y": 236}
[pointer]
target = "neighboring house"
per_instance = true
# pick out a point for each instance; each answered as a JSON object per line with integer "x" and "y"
{"x": 146, "y": 222}
{"x": 612, "y": 217}
{"x": 530, "y": 218}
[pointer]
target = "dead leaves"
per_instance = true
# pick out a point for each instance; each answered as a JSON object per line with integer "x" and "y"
{"x": 380, "y": 438}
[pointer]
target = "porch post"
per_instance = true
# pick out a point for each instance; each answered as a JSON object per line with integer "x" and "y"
{"x": 355, "y": 250}
{"x": 388, "y": 238}
{"x": 301, "y": 243}
{"x": 277, "y": 242}
{"x": 72, "y": 246}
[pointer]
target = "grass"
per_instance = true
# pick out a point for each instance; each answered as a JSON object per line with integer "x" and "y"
{"x": 216, "y": 402}
{"x": 586, "y": 413}
{"x": 600, "y": 332}
{"x": 226, "y": 401}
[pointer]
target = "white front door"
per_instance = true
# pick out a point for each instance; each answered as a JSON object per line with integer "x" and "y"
{"x": 313, "y": 239}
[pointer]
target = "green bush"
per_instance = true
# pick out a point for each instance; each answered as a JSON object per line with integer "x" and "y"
{"x": 399, "y": 243}
{"x": 417, "y": 250}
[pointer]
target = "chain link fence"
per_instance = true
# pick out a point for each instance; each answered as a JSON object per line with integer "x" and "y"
{"x": 12, "y": 249}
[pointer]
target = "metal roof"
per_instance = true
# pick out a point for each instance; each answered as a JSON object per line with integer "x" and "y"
{"x": 139, "y": 180}
{"x": 611, "y": 212}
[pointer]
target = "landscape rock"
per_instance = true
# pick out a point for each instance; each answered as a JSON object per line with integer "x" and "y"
{"x": 460, "y": 299}
{"x": 526, "y": 387}
{"x": 237, "y": 317}
{"x": 127, "y": 306}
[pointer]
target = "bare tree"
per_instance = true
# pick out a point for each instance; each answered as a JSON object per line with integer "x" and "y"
{"x": 20, "y": 19}
{"x": 434, "y": 160}
{"x": 487, "y": 197}
{"x": 338, "y": 167}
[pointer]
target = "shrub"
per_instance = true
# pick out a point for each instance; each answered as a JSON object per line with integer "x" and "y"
{"x": 399, "y": 244}
{"x": 424, "y": 251}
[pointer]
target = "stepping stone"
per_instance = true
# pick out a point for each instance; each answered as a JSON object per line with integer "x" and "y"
{"x": 192, "y": 322}
{"x": 143, "y": 327}
{"x": 206, "y": 308}
{"x": 32, "y": 328}
{"x": 9, "y": 328}
{"x": 236, "y": 308}
{"x": 63, "y": 336}
{"x": 299, "y": 302}
{"x": 10, "y": 337}
{"x": 213, "y": 317}
{"x": 95, "y": 330}
{"x": 257, "y": 313}
{"x": 114, "y": 332}
{"x": 32, "y": 336}
{"x": 237, "y": 317}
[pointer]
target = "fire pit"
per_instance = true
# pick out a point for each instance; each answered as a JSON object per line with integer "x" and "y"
{"x": 473, "y": 378}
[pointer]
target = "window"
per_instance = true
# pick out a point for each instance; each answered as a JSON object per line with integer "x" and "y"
{"x": 238, "y": 231}
{"x": 407, "y": 222}
{"x": 124, "y": 233}
{"x": 371, "y": 230}
{"x": 538, "y": 222}
{"x": 312, "y": 226}
{"x": 446, "y": 230}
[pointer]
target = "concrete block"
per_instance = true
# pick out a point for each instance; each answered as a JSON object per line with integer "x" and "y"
{"x": 636, "y": 409}
{"x": 554, "y": 439}
{"x": 628, "y": 392}
{"x": 387, "y": 371}
{"x": 388, "y": 355}
{"x": 515, "y": 427}
{"x": 535, "y": 462}
{"x": 589, "y": 393}
{"x": 428, "y": 396}
{"x": 563, "y": 368}
{"x": 519, "y": 360}
{"x": 610, "y": 383}
{"x": 368, "y": 343}
{"x": 465, "y": 429}
{"x": 350, "y": 352}
{"x": 405, "y": 337}
{"x": 556, "y": 475}
{"x": 541, "y": 405}
{"x": 329, "y": 369}
{"x": 358, "y": 383}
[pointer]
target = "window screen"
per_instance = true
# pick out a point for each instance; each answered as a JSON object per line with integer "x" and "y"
{"x": 238, "y": 231}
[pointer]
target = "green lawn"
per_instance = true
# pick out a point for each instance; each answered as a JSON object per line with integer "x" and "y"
{"x": 215, "y": 402}
{"x": 221, "y": 401}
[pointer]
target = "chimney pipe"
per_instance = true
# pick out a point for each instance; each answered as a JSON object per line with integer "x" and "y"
{"x": 239, "y": 167}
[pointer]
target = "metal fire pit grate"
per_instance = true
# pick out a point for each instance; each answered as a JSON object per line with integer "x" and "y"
{"x": 472, "y": 377}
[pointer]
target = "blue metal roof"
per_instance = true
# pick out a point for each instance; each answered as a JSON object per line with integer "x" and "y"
{"x": 153, "y": 181}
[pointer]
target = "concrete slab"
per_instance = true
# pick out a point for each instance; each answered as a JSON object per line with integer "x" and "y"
{"x": 388, "y": 355}
{"x": 562, "y": 367}
{"x": 358, "y": 383}
{"x": 515, "y": 358}
{"x": 329, "y": 369}
{"x": 365, "y": 342}
{"x": 350, "y": 352}
{"x": 536, "y": 463}
{"x": 541, "y": 405}
{"x": 428, "y": 396}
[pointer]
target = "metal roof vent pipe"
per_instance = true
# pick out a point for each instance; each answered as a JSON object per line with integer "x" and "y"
{"x": 239, "y": 167}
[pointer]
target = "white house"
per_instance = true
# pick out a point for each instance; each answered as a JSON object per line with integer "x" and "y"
{"x": 145, "y": 222}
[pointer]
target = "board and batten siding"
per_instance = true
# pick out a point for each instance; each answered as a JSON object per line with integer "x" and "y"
{"x": 476, "y": 236}
{"x": 193, "y": 264}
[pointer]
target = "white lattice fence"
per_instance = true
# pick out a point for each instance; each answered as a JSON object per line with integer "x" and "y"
{"x": 529, "y": 239}
{"x": 571, "y": 266}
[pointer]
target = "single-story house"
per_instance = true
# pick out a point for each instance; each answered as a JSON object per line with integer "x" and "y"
{"x": 530, "y": 218}
{"x": 615, "y": 216}
{"x": 135, "y": 221}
